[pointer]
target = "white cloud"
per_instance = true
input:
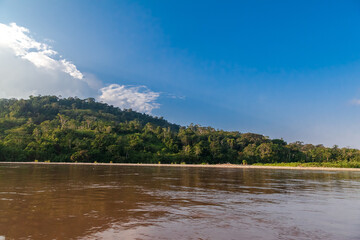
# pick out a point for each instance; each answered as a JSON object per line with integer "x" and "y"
{"x": 135, "y": 97}
{"x": 355, "y": 102}
{"x": 40, "y": 54}
{"x": 29, "y": 67}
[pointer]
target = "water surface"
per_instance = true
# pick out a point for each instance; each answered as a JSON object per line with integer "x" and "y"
{"x": 140, "y": 202}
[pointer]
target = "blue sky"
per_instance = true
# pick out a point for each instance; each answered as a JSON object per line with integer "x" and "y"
{"x": 280, "y": 68}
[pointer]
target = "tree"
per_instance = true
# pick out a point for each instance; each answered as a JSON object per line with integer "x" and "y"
{"x": 80, "y": 156}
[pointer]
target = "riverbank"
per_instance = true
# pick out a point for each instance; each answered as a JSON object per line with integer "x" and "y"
{"x": 194, "y": 165}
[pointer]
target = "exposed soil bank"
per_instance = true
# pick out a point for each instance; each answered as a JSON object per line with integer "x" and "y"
{"x": 191, "y": 165}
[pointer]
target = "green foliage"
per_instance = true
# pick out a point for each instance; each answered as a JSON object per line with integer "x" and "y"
{"x": 83, "y": 130}
{"x": 80, "y": 156}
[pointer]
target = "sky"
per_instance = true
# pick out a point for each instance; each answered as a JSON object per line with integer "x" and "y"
{"x": 285, "y": 69}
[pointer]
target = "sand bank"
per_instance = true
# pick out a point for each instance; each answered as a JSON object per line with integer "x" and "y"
{"x": 191, "y": 165}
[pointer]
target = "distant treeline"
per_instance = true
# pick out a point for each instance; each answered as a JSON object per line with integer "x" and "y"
{"x": 47, "y": 128}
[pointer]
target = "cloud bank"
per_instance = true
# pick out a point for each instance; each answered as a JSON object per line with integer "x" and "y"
{"x": 29, "y": 67}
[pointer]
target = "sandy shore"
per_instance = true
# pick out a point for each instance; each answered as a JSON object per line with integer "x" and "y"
{"x": 191, "y": 165}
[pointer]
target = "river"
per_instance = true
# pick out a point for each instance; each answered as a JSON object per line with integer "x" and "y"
{"x": 142, "y": 202}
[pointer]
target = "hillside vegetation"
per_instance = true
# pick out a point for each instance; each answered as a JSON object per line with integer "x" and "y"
{"x": 48, "y": 128}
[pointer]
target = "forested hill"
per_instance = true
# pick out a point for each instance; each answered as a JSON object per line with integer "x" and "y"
{"x": 48, "y": 128}
{"x": 40, "y": 109}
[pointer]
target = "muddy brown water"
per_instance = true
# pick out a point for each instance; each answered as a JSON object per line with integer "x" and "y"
{"x": 156, "y": 202}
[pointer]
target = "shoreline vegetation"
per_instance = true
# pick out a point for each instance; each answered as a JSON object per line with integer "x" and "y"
{"x": 239, "y": 166}
{"x": 50, "y": 128}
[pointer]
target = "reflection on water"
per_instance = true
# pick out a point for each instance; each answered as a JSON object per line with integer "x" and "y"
{"x": 117, "y": 202}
